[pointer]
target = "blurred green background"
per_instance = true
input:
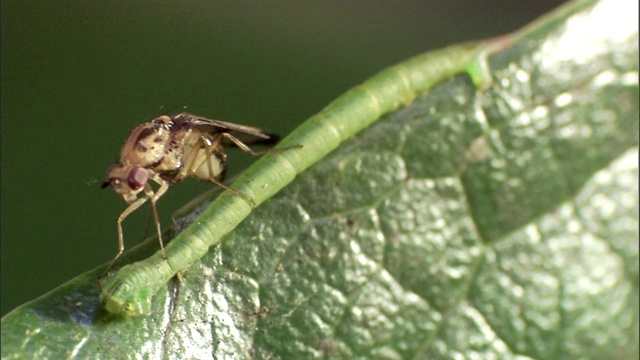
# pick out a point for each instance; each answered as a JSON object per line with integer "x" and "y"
{"x": 77, "y": 76}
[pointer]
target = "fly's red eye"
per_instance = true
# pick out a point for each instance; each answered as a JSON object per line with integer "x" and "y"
{"x": 137, "y": 178}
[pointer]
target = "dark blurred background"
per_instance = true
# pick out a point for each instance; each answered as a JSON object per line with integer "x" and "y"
{"x": 77, "y": 76}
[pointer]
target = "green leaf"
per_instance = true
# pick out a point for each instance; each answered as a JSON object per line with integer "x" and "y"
{"x": 500, "y": 223}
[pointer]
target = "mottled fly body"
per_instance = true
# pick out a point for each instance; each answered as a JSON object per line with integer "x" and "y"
{"x": 171, "y": 148}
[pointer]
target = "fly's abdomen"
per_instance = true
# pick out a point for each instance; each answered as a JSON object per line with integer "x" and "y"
{"x": 209, "y": 165}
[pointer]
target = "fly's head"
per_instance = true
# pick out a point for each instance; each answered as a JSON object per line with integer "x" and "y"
{"x": 126, "y": 180}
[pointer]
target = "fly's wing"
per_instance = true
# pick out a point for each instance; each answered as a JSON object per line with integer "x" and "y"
{"x": 247, "y": 134}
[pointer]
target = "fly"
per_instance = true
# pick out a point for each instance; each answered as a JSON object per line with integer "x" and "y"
{"x": 171, "y": 148}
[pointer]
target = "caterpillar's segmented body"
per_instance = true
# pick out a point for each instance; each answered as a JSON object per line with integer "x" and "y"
{"x": 130, "y": 291}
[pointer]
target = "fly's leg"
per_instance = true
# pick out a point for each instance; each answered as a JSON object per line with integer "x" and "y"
{"x": 190, "y": 207}
{"x": 131, "y": 208}
{"x": 164, "y": 186}
{"x": 189, "y": 162}
{"x": 210, "y": 148}
{"x": 149, "y": 195}
{"x": 146, "y": 226}
{"x": 199, "y": 201}
{"x": 194, "y": 160}
{"x": 191, "y": 158}
{"x": 242, "y": 146}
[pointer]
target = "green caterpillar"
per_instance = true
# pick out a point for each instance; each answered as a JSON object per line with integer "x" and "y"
{"x": 130, "y": 291}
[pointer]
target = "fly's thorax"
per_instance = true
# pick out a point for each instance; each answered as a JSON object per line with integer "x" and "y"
{"x": 173, "y": 158}
{"x": 146, "y": 144}
{"x": 168, "y": 167}
{"x": 163, "y": 120}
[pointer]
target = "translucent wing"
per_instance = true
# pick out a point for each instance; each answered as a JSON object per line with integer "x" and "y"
{"x": 247, "y": 134}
